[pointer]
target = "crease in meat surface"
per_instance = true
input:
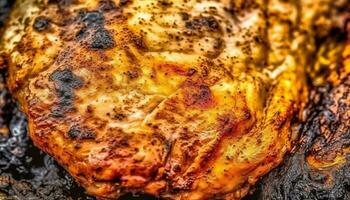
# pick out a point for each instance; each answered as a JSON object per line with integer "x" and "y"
{"x": 183, "y": 99}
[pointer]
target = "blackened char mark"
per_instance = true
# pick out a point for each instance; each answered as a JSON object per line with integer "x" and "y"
{"x": 93, "y": 34}
{"x": 91, "y": 18}
{"x": 77, "y": 132}
{"x": 199, "y": 23}
{"x": 101, "y": 39}
{"x": 41, "y": 23}
{"x": 65, "y": 84}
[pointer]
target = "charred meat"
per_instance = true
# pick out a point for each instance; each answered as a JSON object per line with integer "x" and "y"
{"x": 320, "y": 164}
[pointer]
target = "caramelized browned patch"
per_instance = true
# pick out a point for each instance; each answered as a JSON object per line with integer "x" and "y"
{"x": 76, "y": 132}
{"x": 170, "y": 68}
{"x": 133, "y": 73}
{"x": 199, "y": 96}
{"x": 107, "y": 5}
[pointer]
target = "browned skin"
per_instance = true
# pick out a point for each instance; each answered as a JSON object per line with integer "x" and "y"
{"x": 182, "y": 99}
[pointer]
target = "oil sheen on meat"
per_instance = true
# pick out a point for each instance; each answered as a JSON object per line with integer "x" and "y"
{"x": 183, "y": 99}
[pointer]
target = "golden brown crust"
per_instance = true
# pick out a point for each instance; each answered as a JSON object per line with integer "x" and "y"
{"x": 176, "y": 98}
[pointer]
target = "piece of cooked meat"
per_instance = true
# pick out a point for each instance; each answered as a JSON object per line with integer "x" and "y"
{"x": 320, "y": 166}
{"x": 184, "y": 99}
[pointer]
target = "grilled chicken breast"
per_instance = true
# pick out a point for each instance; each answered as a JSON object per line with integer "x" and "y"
{"x": 183, "y": 99}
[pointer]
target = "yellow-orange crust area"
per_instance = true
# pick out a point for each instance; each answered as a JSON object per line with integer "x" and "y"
{"x": 330, "y": 154}
{"x": 180, "y": 99}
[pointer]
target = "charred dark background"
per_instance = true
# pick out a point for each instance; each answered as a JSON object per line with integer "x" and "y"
{"x": 324, "y": 132}
{"x": 295, "y": 179}
{"x": 28, "y": 173}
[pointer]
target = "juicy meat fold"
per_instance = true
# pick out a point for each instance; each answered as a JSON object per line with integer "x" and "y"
{"x": 183, "y": 99}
